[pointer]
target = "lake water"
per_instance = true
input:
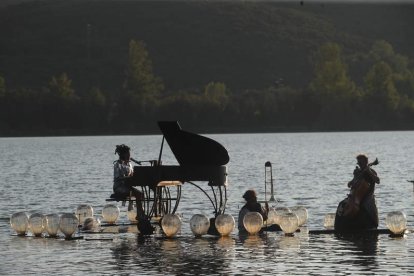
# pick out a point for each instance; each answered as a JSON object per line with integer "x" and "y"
{"x": 56, "y": 174}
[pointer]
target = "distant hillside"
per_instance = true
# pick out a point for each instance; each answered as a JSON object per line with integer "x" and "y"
{"x": 243, "y": 44}
{"x": 5, "y": 3}
{"x": 388, "y": 21}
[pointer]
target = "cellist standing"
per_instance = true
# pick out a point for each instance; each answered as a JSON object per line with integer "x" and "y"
{"x": 359, "y": 211}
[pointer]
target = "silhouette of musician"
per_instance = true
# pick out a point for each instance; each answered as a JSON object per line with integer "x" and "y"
{"x": 123, "y": 171}
{"x": 251, "y": 206}
{"x": 359, "y": 211}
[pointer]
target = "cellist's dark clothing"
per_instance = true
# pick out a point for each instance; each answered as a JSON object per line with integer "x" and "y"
{"x": 359, "y": 174}
{"x": 367, "y": 217}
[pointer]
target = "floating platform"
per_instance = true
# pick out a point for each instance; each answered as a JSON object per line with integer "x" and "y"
{"x": 332, "y": 231}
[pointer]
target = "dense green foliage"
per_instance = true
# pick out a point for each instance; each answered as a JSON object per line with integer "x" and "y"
{"x": 104, "y": 67}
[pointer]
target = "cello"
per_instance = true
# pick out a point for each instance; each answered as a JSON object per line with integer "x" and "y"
{"x": 359, "y": 189}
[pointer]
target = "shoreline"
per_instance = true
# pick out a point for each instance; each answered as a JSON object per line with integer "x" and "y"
{"x": 199, "y": 130}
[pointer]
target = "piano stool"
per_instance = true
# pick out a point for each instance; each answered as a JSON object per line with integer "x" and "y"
{"x": 170, "y": 183}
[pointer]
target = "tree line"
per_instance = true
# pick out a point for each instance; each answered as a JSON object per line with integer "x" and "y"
{"x": 359, "y": 91}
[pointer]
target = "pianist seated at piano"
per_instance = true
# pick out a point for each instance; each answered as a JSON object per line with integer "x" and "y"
{"x": 123, "y": 172}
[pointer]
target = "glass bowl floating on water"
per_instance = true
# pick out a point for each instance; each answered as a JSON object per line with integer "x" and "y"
{"x": 52, "y": 224}
{"x": 84, "y": 211}
{"x": 396, "y": 222}
{"x": 171, "y": 224}
{"x": 329, "y": 221}
{"x": 224, "y": 224}
{"x": 110, "y": 213}
{"x": 37, "y": 224}
{"x": 91, "y": 224}
{"x": 271, "y": 217}
{"x": 302, "y": 214}
{"x": 68, "y": 224}
{"x": 199, "y": 225}
{"x": 279, "y": 212}
{"x": 132, "y": 214}
{"x": 20, "y": 222}
{"x": 253, "y": 222}
{"x": 289, "y": 223}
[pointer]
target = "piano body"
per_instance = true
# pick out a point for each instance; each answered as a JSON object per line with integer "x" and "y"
{"x": 199, "y": 158}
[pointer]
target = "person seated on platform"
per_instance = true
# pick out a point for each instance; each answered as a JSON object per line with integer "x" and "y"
{"x": 123, "y": 171}
{"x": 251, "y": 206}
{"x": 359, "y": 211}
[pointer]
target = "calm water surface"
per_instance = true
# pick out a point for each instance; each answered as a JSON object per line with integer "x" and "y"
{"x": 56, "y": 174}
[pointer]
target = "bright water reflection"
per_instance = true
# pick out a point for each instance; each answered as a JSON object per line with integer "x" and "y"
{"x": 311, "y": 169}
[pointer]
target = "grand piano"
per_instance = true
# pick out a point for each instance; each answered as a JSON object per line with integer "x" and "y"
{"x": 200, "y": 159}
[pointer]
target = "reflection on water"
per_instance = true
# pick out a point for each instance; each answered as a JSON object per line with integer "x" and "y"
{"x": 252, "y": 242}
{"x": 364, "y": 248}
{"x": 211, "y": 255}
{"x": 226, "y": 243}
{"x": 171, "y": 256}
{"x": 115, "y": 229}
{"x": 289, "y": 243}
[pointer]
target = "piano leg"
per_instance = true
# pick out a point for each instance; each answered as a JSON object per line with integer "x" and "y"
{"x": 161, "y": 200}
{"x": 144, "y": 224}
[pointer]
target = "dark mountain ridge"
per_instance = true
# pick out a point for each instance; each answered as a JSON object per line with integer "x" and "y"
{"x": 243, "y": 44}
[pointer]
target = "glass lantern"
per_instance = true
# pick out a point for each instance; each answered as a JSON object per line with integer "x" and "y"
{"x": 132, "y": 215}
{"x": 271, "y": 217}
{"x": 110, "y": 213}
{"x": 84, "y": 211}
{"x": 171, "y": 224}
{"x": 302, "y": 214}
{"x": 289, "y": 223}
{"x": 396, "y": 222}
{"x": 199, "y": 225}
{"x": 279, "y": 212}
{"x": 68, "y": 224}
{"x": 329, "y": 221}
{"x": 224, "y": 224}
{"x": 19, "y": 222}
{"x": 37, "y": 224}
{"x": 52, "y": 224}
{"x": 253, "y": 222}
{"x": 91, "y": 224}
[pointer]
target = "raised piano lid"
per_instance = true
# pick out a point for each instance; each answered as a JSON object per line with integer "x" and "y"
{"x": 193, "y": 149}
